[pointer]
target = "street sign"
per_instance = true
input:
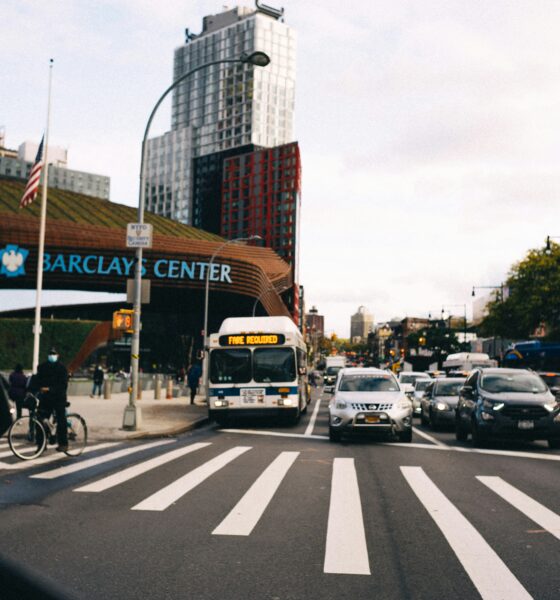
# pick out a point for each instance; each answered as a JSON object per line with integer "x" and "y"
{"x": 123, "y": 320}
{"x": 139, "y": 235}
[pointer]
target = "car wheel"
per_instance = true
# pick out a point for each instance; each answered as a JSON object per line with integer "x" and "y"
{"x": 405, "y": 436}
{"x": 461, "y": 434}
{"x": 334, "y": 434}
{"x": 479, "y": 440}
{"x": 554, "y": 443}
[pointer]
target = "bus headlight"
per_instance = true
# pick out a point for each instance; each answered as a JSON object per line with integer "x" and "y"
{"x": 221, "y": 403}
{"x": 285, "y": 402}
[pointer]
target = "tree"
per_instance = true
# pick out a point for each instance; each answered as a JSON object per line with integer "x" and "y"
{"x": 533, "y": 299}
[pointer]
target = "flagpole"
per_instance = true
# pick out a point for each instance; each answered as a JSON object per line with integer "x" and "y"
{"x": 37, "y": 326}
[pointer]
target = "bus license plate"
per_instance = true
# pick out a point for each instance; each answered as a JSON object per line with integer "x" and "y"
{"x": 250, "y": 396}
{"x": 526, "y": 424}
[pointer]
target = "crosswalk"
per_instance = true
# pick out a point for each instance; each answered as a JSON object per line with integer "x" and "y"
{"x": 346, "y": 549}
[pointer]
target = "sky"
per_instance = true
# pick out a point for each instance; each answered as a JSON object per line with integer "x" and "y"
{"x": 429, "y": 131}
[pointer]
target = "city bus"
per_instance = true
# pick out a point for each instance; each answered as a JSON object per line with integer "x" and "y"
{"x": 258, "y": 368}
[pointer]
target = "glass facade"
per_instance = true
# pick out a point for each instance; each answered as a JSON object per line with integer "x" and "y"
{"x": 226, "y": 106}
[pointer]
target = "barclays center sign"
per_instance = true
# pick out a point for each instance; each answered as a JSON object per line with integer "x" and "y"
{"x": 13, "y": 258}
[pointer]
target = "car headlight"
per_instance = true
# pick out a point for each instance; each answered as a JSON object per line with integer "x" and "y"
{"x": 403, "y": 404}
{"x": 442, "y": 406}
{"x": 489, "y": 405}
{"x": 340, "y": 404}
{"x": 552, "y": 406}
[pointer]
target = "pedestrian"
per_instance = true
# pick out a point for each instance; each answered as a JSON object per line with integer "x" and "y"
{"x": 52, "y": 383}
{"x": 5, "y": 414}
{"x": 98, "y": 377}
{"x": 193, "y": 379}
{"x": 18, "y": 388}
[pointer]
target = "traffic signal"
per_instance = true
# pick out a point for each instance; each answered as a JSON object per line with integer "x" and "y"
{"x": 392, "y": 352}
{"x": 123, "y": 320}
{"x": 402, "y": 351}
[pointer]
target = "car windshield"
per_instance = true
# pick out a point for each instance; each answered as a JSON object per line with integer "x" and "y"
{"x": 230, "y": 366}
{"x": 367, "y": 383}
{"x": 422, "y": 384}
{"x": 448, "y": 388}
{"x": 497, "y": 383}
{"x": 274, "y": 365}
{"x": 406, "y": 378}
{"x": 333, "y": 370}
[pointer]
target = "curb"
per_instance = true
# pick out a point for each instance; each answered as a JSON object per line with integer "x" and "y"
{"x": 173, "y": 431}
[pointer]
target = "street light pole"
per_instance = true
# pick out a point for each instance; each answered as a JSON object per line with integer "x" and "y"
{"x": 492, "y": 287}
{"x": 206, "y": 297}
{"x": 446, "y": 306}
{"x": 132, "y": 414}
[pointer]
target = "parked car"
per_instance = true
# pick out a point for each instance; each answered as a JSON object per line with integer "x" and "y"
{"x": 418, "y": 393}
{"x": 507, "y": 403}
{"x": 369, "y": 401}
{"x": 439, "y": 402}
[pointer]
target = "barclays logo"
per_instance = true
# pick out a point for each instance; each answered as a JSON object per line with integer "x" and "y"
{"x": 12, "y": 260}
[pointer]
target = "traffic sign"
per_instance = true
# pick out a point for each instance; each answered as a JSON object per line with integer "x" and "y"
{"x": 139, "y": 235}
{"x": 123, "y": 320}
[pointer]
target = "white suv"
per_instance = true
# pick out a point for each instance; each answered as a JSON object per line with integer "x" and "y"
{"x": 369, "y": 401}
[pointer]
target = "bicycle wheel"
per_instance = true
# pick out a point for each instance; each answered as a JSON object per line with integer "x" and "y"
{"x": 77, "y": 434}
{"x": 27, "y": 438}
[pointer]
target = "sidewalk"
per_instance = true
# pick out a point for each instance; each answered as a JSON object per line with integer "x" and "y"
{"x": 160, "y": 418}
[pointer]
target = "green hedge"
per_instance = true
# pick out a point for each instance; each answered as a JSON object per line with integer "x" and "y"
{"x": 16, "y": 340}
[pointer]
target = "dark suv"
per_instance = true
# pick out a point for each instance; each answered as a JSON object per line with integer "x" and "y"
{"x": 507, "y": 403}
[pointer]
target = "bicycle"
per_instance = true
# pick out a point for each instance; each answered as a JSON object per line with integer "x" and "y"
{"x": 29, "y": 435}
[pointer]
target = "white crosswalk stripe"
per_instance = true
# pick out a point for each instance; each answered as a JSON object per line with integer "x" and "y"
{"x": 136, "y": 470}
{"x": 346, "y": 547}
{"x": 98, "y": 460}
{"x": 171, "y": 493}
{"x": 21, "y": 465}
{"x": 491, "y": 577}
{"x": 531, "y": 508}
{"x": 248, "y": 511}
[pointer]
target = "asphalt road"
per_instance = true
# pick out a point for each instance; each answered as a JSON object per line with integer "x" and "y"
{"x": 281, "y": 513}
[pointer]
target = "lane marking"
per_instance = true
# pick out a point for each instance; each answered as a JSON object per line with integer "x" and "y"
{"x": 248, "y": 511}
{"x": 428, "y": 437}
{"x": 311, "y": 425}
{"x": 127, "y": 474}
{"x": 531, "y": 508}
{"x": 98, "y": 460}
{"x": 171, "y": 493}
{"x": 43, "y": 460}
{"x": 275, "y": 434}
{"x": 512, "y": 453}
{"x": 346, "y": 548}
{"x": 489, "y": 574}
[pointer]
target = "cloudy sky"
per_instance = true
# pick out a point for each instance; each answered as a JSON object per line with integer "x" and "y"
{"x": 429, "y": 130}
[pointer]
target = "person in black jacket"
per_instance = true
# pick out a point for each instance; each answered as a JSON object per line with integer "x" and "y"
{"x": 52, "y": 382}
{"x": 18, "y": 388}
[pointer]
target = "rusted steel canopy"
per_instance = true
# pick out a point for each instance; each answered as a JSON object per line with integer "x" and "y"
{"x": 85, "y": 249}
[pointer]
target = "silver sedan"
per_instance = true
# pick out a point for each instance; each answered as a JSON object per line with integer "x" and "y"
{"x": 369, "y": 401}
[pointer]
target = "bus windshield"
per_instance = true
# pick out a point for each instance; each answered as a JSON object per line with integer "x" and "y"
{"x": 274, "y": 365}
{"x": 230, "y": 366}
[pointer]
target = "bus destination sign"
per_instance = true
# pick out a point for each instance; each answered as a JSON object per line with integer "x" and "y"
{"x": 253, "y": 339}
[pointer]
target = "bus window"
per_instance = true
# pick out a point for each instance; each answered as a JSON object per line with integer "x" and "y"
{"x": 274, "y": 365}
{"x": 230, "y": 366}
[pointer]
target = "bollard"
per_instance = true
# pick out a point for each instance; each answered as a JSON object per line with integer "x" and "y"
{"x": 169, "y": 395}
{"x": 107, "y": 389}
{"x": 157, "y": 389}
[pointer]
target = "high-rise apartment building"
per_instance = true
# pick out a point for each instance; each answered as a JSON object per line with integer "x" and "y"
{"x": 223, "y": 107}
{"x": 361, "y": 324}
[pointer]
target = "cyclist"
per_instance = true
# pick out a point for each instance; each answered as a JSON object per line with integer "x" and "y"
{"x": 52, "y": 382}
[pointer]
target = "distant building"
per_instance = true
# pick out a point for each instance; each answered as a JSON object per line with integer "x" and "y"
{"x": 361, "y": 324}
{"x": 18, "y": 164}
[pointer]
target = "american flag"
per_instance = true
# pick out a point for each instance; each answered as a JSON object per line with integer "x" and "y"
{"x": 33, "y": 182}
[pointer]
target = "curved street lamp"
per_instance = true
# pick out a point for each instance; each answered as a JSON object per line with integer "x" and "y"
{"x": 132, "y": 414}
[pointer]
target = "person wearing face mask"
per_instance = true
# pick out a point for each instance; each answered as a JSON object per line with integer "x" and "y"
{"x": 52, "y": 382}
